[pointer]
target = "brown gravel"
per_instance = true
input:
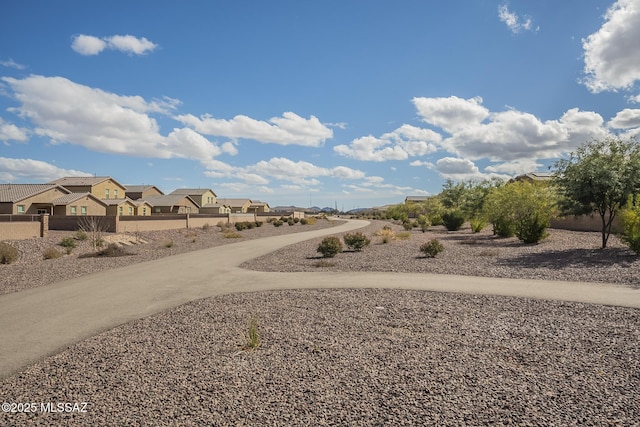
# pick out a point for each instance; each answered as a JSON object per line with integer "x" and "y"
{"x": 365, "y": 357}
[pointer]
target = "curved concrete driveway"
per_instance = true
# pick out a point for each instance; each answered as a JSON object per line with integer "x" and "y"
{"x": 38, "y": 322}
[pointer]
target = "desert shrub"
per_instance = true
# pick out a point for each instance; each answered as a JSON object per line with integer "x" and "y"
{"x": 330, "y": 247}
{"x": 304, "y": 221}
{"x": 477, "y": 224}
{"x": 503, "y": 226}
{"x": 431, "y": 248}
{"x": 296, "y": 220}
{"x": 532, "y": 228}
{"x": 8, "y": 253}
{"x": 112, "y": 250}
{"x": 277, "y": 223}
{"x": 81, "y": 235}
{"x": 631, "y": 226}
{"x": 290, "y": 222}
{"x": 407, "y": 225}
{"x": 51, "y": 253}
{"x": 221, "y": 224}
{"x": 232, "y": 235}
{"x": 453, "y": 220}
{"x": 258, "y": 223}
{"x": 206, "y": 227}
{"x": 311, "y": 220}
{"x": 386, "y": 233}
{"x": 423, "y": 222}
{"x": 356, "y": 241}
{"x": 68, "y": 242}
{"x": 240, "y": 226}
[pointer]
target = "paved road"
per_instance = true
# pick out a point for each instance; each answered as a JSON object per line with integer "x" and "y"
{"x": 39, "y": 322}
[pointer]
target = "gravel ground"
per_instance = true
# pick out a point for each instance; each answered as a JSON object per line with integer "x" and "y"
{"x": 32, "y": 270}
{"x": 349, "y": 357}
{"x": 363, "y": 357}
{"x": 563, "y": 255}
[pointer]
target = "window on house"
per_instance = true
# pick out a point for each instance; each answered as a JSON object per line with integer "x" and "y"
{"x": 144, "y": 211}
{"x": 106, "y": 193}
{"x": 130, "y": 210}
{"x": 115, "y": 194}
{"x": 20, "y": 209}
{"x": 74, "y": 210}
{"x": 120, "y": 210}
{"x": 158, "y": 210}
{"x": 83, "y": 210}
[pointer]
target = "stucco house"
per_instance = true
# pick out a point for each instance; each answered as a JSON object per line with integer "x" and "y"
{"x": 173, "y": 203}
{"x": 30, "y": 199}
{"x": 136, "y": 192}
{"x": 103, "y": 187}
{"x": 237, "y": 205}
{"x": 78, "y": 204}
{"x": 143, "y": 208}
{"x": 202, "y": 196}
{"x": 120, "y": 207}
{"x": 257, "y": 206}
{"x": 215, "y": 208}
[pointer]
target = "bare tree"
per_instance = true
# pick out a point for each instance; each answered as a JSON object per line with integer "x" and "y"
{"x": 94, "y": 226}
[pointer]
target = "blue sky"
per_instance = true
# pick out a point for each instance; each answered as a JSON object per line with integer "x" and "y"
{"x": 355, "y": 103}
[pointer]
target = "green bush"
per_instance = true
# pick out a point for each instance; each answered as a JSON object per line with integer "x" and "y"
{"x": 304, "y": 221}
{"x": 531, "y": 228}
{"x": 68, "y": 242}
{"x": 431, "y": 248}
{"x": 631, "y": 223}
{"x": 277, "y": 223}
{"x": 356, "y": 241}
{"x": 81, "y": 235}
{"x": 290, "y": 222}
{"x": 330, "y": 247}
{"x": 8, "y": 253}
{"x": 453, "y": 220}
{"x": 423, "y": 222}
{"x": 240, "y": 226}
{"x": 477, "y": 224}
{"x": 503, "y": 226}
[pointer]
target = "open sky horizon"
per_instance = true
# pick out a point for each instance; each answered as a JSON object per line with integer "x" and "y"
{"x": 351, "y": 103}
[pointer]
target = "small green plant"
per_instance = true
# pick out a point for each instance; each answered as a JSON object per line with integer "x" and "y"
{"x": 453, "y": 220}
{"x": 407, "y": 225}
{"x": 8, "y": 253}
{"x": 258, "y": 223}
{"x": 631, "y": 223}
{"x": 356, "y": 241}
{"x": 423, "y": 222}
{"x": 403, "y": 235}
{"x": 290, "y": 222}
{"x": 531, "y": 228}
{"x": 330, "y": 247}
{"x": 477, "y": 224}
{"x": 304, "y": 221}
{"x": 81, "y": 235}
{"x": 240, "y": 226}
{"x": 277, "y": 223}
{"x": 51, "y": 253}
{"x": 252, "y": 338}
{"x": 68, "y": 242}
{"x": 431, "y": 248}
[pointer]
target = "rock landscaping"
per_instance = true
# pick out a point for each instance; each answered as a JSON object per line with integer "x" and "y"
{"x": 354, "y": 357}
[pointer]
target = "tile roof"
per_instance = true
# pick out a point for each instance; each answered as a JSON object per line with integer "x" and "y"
{"x": 191, "y": 191}
{"x": 80, "y": 180}
{"x": 16, "y": 192}
{"x": 72, "y": 197}
{"x": 115, "y": 202}
{"x": 234, "y": 202}
{"x": 167, "y": 200}
{"x": 140, "y": 188}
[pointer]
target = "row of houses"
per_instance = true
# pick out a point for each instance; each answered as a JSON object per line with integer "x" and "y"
{"x": 104, "y": 196}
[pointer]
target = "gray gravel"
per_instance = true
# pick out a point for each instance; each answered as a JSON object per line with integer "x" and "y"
{"x": 350, "y": 357}
{"x": 366, "y": 357}
{"x": 563, "y": 255}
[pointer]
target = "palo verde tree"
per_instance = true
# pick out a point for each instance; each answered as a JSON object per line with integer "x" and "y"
{"x": 599, "y": 177}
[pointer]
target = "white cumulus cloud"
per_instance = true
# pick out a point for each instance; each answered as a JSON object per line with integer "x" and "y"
{"x": 515, "y": 23}
{"x": 612, "y": 54}
{"x": 91, "y": 45}
{"x": 29, "y": 170}
{"x": 11, "y": 132}
{"x": 290, "y": 129}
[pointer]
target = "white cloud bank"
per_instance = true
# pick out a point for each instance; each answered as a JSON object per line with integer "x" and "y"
{"x": 91, "y": 45}
{"x": 34, "y": 170}
{"x": 290, "y": 129}
{"x": 612, "y": 54}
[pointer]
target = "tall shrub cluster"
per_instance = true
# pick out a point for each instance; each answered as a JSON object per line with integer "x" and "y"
{"x": 631, "y": 224}
{"x": 523, "y": 209}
